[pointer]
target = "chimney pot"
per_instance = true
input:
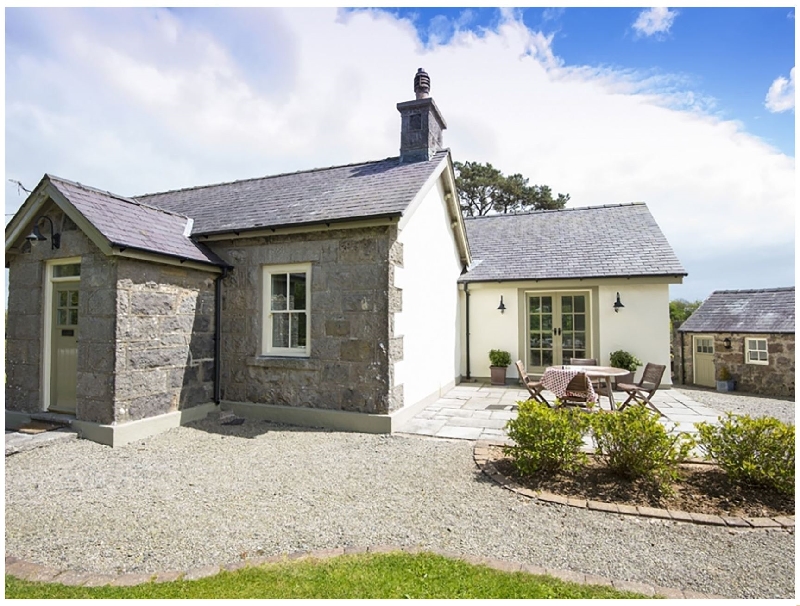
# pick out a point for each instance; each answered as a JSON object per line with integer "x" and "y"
{"x": 422, "y": 84}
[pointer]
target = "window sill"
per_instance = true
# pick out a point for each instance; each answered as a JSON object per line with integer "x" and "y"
{"x": 292, "y": 362}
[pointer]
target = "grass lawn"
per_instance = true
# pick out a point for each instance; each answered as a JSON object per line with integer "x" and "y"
{"x": 386, "y": 576}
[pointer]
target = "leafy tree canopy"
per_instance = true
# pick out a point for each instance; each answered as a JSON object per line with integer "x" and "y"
{"x": 483, "y": 189}
{"x": 680, "y": 310}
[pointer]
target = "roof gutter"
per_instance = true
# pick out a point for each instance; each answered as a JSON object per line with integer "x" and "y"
{"x": 516, "y": 279}
{"x": 283, "y": 228}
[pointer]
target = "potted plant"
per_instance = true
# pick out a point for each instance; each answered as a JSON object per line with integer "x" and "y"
{"x": 498, "y": 363}
{"x": 626, "y": 360}
{"x": 725, "y": 381}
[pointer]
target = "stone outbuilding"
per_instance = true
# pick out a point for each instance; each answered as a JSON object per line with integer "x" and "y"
{"x": 337, "y": 297}
{"x": 749, "y": 332}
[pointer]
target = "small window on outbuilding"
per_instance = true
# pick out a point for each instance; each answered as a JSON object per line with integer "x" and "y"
{"x": 756, "y": 351}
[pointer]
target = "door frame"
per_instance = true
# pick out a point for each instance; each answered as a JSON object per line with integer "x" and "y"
{"x": 47, "y": 312}
{"x": 525, "y": 320}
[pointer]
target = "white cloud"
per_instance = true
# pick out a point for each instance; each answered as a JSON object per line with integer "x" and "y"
{"x": 172, "y": 99}
{"x": 780, "y": 96}
{"x": 655, "y": 20}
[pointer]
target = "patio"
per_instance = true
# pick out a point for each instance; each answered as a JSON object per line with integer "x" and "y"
{"x": 479, "y": 411}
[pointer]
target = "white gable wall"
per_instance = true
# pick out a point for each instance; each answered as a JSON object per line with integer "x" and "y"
{"x": 641, "y": 327}
{"x": 429, "y": 321}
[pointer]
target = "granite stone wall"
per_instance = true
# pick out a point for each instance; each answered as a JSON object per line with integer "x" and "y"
{"x": 25, "y": 325}
{"x": 773, "y": 379}
{"x": 349, "y": 366}
{"x": 145, "y": 331}
{"x": 164, "y": 339}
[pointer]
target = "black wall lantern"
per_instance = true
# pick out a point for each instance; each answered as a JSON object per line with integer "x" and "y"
{"x": 36, "y": 235}
{"x": 726, "y": 342}
{"x": 618, "y": 304}
{"x": 501, "y": 307}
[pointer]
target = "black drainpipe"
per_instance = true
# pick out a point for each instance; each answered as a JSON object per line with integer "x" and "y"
{"x": 218, "y": 336}
{"x": 466, "y": 292}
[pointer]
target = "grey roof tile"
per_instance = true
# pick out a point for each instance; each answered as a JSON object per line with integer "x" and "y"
{"x": 355, "y": 191}
{"x": 131, "y": 224}
{"x": 768, "y": 310}
{"x": 590, "y": 242}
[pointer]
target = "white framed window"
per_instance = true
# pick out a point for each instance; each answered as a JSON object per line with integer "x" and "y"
{"x": 755, "y": 351}
{"x": 286, "y": 323}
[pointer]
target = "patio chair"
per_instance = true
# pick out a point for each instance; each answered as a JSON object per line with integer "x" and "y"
{"x": 534, "y": 387}
{"x": 641, "y": 392}
{"x": 577, "y": 392}
{"x": 597, "y": 383}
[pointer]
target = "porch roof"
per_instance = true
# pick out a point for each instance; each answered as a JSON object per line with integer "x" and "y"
{"x": 621, "y": 240}
{"x": 768, "y": 310}
{"x": 127, "y": 223}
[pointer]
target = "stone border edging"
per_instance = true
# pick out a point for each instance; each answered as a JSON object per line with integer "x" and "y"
{"x": 29, "y": 571}
{"x": 481, "y": 456}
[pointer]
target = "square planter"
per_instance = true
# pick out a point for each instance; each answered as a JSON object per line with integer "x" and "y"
{"x": 498, "y": 375}
{"x": 726, "y": 385}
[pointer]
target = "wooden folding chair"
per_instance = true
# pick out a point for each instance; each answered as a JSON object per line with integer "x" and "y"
{"x": 598, "y": 384}
{"x": 641, "y": 392}
{"x": 578, "y": 392}
{"x": 534, "y": 387}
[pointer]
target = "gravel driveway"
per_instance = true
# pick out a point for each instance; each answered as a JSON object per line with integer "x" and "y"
{"x": 207, "y": 493}
{"x": 742, "y": 403}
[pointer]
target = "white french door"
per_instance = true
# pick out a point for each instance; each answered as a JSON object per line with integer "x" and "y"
{"x": 557, "y": 327}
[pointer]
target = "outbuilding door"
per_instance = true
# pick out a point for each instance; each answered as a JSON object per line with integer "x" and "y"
{"x": 703, "y": 360}
{"x": 64, "y": 338}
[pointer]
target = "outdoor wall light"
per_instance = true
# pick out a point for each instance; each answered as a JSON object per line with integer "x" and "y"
{"x": 36, "y": 235}
{"x": 618, "y": 304}
{"x": 501, "y": 307}
{"x": 726, "y": 342}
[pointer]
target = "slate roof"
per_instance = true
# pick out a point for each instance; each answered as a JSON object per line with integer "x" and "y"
{"x": 355, "y": 191}
{"x": 769, "y": 310}
{"x": 127, "y": 223}
{"x": 590, "y": 242}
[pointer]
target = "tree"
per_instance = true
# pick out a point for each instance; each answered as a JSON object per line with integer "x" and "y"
{"x": 680, "y": 310}
{"x": 483, "y": 189}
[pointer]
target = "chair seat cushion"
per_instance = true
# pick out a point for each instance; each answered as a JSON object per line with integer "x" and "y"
{"x": 627, "y": 386}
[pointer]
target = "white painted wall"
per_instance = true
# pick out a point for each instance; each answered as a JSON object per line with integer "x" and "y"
{"x": 641, "y": 327}
{"x": 430, "y": 321}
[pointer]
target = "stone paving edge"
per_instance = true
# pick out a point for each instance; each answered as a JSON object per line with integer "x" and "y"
{"x": 30, "y": 571}
{"x": 480, "y": 454}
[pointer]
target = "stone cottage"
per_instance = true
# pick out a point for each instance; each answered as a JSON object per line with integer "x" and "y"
{"x": 327, "y": 297}
{"x": 749, "y": 332}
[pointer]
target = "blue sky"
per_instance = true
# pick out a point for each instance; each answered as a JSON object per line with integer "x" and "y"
{"x": 728, "y": 58}
{"x": 689, "y": 110}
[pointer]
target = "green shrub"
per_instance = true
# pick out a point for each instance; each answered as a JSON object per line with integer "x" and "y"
{"x": 633, "y": 444}
{"x": 546, "y": 439}
{"x": 624, "y": 359}
{"x": 752, "y": 451}
{"x": 498, "y": 357}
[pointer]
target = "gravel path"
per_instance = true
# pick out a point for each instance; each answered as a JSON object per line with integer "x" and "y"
{"x": 208, "y": 493}
{"x": 742, "y": 403}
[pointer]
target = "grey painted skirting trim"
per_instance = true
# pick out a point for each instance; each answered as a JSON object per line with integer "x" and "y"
{"x": 34, "y": 572}
{"x": 339, "y": 420}
{"x": 124, "y": 433}
{"x": 481, "y": 456}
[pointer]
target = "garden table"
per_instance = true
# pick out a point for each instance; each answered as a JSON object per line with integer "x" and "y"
{"x": 555, "y": 378}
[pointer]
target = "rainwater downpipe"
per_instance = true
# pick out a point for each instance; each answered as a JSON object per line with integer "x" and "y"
{"x": 466, "y": 292}
{"x": 218, "y": 336}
